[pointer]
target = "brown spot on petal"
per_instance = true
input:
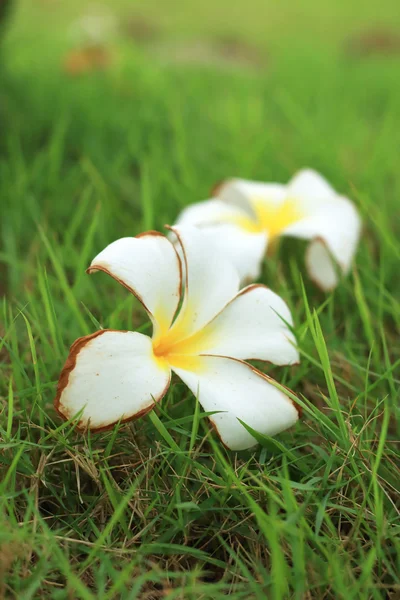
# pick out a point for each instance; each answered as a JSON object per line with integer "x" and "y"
{"x": 134, "y": 417}
{"x": 217, "y": 187}
{"x": 150, "y": 232}
{"x": 251, "y": 287}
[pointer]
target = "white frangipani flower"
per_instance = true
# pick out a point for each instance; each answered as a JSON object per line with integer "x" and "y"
{"x": 244, "y": 218}
{"x": 203, "y": 337}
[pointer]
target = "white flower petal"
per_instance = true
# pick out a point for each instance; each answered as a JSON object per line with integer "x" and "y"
{"x": 211, "y": 280}
{"x": 210, "y": 212}
{"x": 242, "y": 193}
{"x": 310, "y": 189}
{"x": 241, "y": 392}
{"x": 244, "y": 250}
{"x": 112, "y": 376}
{"x": 335, "y": 230}
{"x": 148, "y": 265}
{"x": 231, "y": 230}
{"x": 251, "y": 326}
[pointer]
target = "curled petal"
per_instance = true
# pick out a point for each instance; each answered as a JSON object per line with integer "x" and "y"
{"x": 335, "y": 230}
{"x": 211, "y": 281}
{"x": 110, "y": 376}
{"x": 254, "y": 325}
{"x": 240, "y": 392}
{"x": 321, "y": 268}
{"x": 148, "y": 265}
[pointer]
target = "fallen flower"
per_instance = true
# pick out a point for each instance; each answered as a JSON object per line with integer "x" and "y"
{"x": 245, "y": 217}
{"x": 113, "y": 376}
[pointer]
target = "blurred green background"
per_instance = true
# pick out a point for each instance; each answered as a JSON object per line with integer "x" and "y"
{"x": 113, "y": 117}
{"x": 269, "y": 25}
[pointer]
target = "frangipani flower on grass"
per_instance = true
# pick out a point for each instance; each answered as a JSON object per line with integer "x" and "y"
{"x": 203, "y": 337}
{"x": 246, "y": 217}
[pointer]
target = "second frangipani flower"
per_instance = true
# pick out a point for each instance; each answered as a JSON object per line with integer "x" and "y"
{"x": 245, "y": 217}
{"x": 204, "y": 337}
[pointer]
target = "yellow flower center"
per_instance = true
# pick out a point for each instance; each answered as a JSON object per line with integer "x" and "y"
{"x": 270, "y": 217}
{"x": 175, "y": 346}
{"x": 180, "y": 349}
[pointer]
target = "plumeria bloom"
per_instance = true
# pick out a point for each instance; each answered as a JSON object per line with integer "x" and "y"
{"x": 246, "y": 217}
{"x": 202, "y": 331}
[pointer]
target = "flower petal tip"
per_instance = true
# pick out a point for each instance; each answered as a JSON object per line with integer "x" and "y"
{"x": 217, "y": 187}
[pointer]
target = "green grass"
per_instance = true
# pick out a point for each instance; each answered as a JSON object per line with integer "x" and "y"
{"x": 158, "y": 508}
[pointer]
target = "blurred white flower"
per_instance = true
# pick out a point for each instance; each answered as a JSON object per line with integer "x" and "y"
{"x": 244, "y": 217}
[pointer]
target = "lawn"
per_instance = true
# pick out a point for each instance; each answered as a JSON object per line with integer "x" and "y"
{"x": 159, "y": 508}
